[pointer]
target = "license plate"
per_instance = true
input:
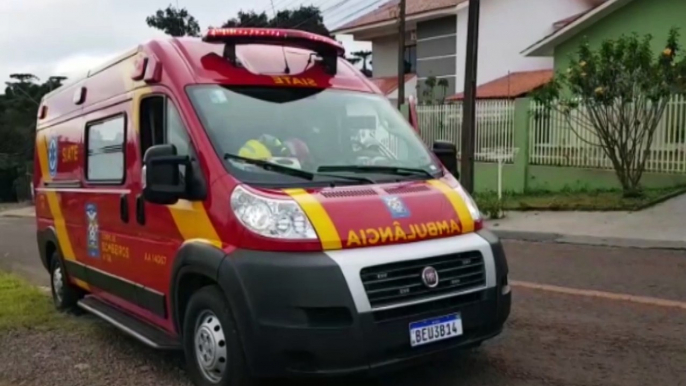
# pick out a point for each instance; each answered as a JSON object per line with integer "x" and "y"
{"x": 433, "y": 330}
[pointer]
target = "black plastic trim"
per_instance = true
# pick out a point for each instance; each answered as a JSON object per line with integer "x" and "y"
{"x": 501, "y": 266}
{"x": 124, "y": 207}
{"x": 137, "y": 294}
{"x": 43, "y": 237}
{"x": 144, "y": 332}
{"x": 197, "y": 258}
{"x": 501, "y": 270}
{"x": 140, "y": 209}
{"x": 65, "y": 184}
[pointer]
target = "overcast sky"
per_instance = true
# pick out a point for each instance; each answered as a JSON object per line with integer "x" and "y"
{"x": 67, "y": 37}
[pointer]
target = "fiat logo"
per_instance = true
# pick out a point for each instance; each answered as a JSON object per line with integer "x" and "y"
{"x": 430, "y": 277}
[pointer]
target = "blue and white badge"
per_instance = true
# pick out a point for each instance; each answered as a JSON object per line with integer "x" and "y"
{"x": 53, "y": 152}
{"x": 396, "y": 206}
{"x": 93, "y": 231}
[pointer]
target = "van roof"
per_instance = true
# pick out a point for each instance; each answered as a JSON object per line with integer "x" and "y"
{"x": 187, "y": 61}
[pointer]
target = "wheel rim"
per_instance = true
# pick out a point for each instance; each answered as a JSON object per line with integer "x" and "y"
{"x": 210, "y": 346}
{"x": 57, "y": 284}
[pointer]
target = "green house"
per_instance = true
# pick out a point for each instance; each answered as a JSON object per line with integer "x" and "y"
{"x": 608, "y": 20}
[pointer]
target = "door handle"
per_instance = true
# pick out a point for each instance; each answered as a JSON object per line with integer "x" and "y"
{"x": 124, "y": 207}
{"x": 140, "y": 209}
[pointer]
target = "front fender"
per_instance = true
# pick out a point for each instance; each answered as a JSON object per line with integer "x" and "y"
{"x": 43, "y": 237}
{"x": 196, "y": 258}
{"x": 213, "y": 263}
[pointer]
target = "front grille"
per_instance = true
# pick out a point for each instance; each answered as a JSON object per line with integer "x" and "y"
{"x": 401, "y": 282}
{"x": 445, "y": 305}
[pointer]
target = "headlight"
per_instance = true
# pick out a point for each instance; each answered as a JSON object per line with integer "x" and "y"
{"x": 271, "y": 218}
{"x": 471, "y": 205}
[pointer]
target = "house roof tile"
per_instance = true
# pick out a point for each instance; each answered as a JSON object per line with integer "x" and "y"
{"x": 514, "y": 85}
{"x": 388, "y": 84}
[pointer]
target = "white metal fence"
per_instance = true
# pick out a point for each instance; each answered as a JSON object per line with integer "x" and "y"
{"x": 494, "y": 126}
{"x": 556, "y": 140}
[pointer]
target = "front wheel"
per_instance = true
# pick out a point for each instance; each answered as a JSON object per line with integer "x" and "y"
{"x": 213, "y": 349}
{"x": 64, "y": 295}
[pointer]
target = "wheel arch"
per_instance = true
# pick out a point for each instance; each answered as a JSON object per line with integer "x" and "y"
{"x": 196, "y": 265}
{"x": 48, "y": 244}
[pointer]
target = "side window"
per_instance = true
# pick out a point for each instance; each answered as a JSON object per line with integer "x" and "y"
{"x": 160, "y": 123}
{"x": 105, "y": 141}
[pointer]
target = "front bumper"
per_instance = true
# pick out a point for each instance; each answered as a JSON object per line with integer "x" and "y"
{"x": 301, "y": 314}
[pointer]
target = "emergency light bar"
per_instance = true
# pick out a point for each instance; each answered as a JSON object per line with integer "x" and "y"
{"x": 328, "y": 49}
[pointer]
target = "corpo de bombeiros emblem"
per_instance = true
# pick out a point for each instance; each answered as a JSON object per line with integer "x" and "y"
{"x": 430, "y": 277}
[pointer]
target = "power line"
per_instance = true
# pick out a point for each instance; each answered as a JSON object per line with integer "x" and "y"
{"x": 275, "y": 5}
{"x": 27, "y": 95}
{"x": 359, "y": 11}
{"x": 322, "y": 12}
{"x": 324, "y": 15}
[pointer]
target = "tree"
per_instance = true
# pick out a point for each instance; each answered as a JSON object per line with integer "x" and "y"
{"x": 248, "y": 19}
{"x": 364, "y": 57}
{"x": 305, "y": 18}
{"x": 18, "y": 111}
{"x": 618, "y": 94}
{"x": 174, "y": 21}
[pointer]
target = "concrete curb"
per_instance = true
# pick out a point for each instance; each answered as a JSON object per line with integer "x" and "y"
{"x": 14, "y": 215}
{"x": 590, "y": 240}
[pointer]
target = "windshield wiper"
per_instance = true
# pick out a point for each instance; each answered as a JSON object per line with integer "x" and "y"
{"x": 398, "y": 170}
{"x": 272, "y": 167}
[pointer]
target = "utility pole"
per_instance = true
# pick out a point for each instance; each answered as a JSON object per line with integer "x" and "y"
{"x": 401, "y": 53}
{"x": 469, "y": 104}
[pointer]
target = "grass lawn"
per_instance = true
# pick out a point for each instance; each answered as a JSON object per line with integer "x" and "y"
{"x": 605, "y": 200}
{"x": 25, "y": 306}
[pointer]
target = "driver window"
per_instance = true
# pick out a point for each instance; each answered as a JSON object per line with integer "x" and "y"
{"x": 176, "y": 132}
{"x": 160, "y": 123}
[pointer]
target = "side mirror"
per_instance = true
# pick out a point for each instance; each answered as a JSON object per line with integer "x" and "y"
{"x": 164, "y": 174}
{"x": 446, "y": 152}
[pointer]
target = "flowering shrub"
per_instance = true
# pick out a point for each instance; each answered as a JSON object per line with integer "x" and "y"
{"x": 619, "y": 92}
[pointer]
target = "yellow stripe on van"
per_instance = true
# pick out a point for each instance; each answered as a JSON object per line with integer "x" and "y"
{"x": 193, "y": 223}
{"x": 328, "y": 235}
{"x": 55, "y": 209}
{"x": 458, "y": 204}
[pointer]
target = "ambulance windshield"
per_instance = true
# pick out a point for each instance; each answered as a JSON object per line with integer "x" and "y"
{"x": 346, "y": 133}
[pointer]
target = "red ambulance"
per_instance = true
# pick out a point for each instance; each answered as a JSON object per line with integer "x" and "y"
{"x": 252, "y": 199}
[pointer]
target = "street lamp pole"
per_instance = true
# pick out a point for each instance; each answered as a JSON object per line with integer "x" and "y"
{"x": 469, "y": 104}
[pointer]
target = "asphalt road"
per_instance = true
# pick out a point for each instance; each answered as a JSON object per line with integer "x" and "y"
{"x": 582, "y": 315}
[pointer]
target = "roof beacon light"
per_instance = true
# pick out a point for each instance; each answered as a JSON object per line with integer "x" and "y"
{"x": 328, "y": 49}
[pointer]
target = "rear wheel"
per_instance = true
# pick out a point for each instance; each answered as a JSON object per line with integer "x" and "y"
{"x": 213, "y": 349}
{"x": 64, "y": 294}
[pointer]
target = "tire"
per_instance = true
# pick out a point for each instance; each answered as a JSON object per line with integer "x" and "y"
{"x": 209, "y": 332}
{"x": 64, "y": 294}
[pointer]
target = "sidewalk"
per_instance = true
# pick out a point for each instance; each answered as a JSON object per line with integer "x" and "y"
{"x": 25, "y": 211}
{"x": 662, "y": 226}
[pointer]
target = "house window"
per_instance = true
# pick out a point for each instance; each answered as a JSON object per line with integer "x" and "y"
{"x": 105, "y": 162}
{"x": 411, "y": 59}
